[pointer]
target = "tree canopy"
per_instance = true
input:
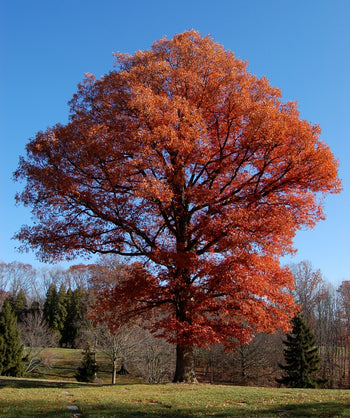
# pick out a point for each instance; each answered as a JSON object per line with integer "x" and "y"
{"x": 182, "y": 157}
{"x": 11, "y": 350}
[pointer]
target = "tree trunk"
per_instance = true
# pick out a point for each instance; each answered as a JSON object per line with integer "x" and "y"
{"x": 184, "y": 371}
{"x": 114, "y": 372}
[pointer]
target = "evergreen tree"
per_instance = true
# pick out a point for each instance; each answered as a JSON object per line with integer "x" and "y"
{"x": 88, "y": 369}
{"x": 73, "y": 318}
{"x": 11, "y": 350}
{"x": 34, "y": 307}
{"x": 20, "y": 304}
{"x": 61, "y": 309}
{"x": 55, "y": 310}
{"x": 51, "y": 306}
{"x": 301, "y": 357}
{"x": 68, "y": 331}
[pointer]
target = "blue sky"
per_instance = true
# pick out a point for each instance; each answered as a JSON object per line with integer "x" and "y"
{"x": 301, "y": 46}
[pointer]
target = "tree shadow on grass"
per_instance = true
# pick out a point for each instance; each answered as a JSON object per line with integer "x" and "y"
{"x": 322, "y": 410}
{"x": 319, "y": 409}
{"x": 36, "y": 383}
{"x": 16, "y": 382}
{"x": 26, "y": 408}
{"x": 312, "y": 409}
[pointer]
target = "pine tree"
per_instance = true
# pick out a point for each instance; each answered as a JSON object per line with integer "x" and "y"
{"x": 11, "y": 350}
{"x": 61, "y": 309}
{"x": 34, "y": 307}
{"x": 55, "y": 310}
{"x": 20, "y": 304}
{"x": 301, "y": 357}
{"x": 88, "y": 369}
{"x": 73, "y": 318}
{"x": 51, "y": 306}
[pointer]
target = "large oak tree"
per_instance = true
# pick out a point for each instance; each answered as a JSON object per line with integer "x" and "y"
{"x": 183, "y": 157}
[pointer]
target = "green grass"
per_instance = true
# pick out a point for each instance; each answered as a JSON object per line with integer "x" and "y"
{"x": 33, "y": 398}
{"x": 65, "y": 361}
{"x": 129, "y": 398}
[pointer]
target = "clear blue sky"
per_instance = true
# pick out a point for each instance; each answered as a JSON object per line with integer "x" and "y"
{"x": 301, "y": 46}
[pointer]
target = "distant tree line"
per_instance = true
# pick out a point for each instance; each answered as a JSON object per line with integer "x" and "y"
{"x": 52, "y": 307}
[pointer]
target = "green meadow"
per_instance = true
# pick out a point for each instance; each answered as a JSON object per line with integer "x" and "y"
{"x": 40, "y": 398}
{"x": 55, "y": 393}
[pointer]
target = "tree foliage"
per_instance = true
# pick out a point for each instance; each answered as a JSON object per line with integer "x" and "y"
{"x": 73, "y": 319}
{"x": 20, "y": 304}
{"x": 88, "y": 368}
{"x": 11, "y": 349}
{"x": 51, "y": 308}
{"x": 63, "y": 312}
{"x": 183, "y": 157}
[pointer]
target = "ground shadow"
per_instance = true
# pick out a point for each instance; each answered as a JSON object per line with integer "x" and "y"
{"x": 36, "y": 383}
{"x": 16, "y": 382}
{"x": 319, "y": 409}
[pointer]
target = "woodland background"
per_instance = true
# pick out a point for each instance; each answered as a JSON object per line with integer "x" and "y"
{"x": 53, "y": 307}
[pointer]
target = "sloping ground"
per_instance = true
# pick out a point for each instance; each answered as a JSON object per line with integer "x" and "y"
{"x": 62, "y": 364}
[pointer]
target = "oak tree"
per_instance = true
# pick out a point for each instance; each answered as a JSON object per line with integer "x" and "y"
{"x": 181, "y": 156}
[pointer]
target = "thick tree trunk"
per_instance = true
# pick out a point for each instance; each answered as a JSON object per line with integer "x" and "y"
{"x": 184, "y": 371}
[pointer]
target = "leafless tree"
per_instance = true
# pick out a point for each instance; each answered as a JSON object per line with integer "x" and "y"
{"x": 79, "y": 276}
{"x": 16, "y": 276}
{"x": 4, "y": 277}
{"x": 344, "y": 318}
{"x": 344, "y": 299}
{"x": 51, "y": 275}
{"x": 309, "y": 288}
{"x": 36, "y": 337}
{"x": 118, "y": 346}
{"x": 154, "y": 358}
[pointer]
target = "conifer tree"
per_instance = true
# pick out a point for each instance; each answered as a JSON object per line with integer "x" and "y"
{"x": 11, "y": 349}
{"x": 51, "y": 306}
{"x": 20, "y": 304}
{"x": 61, "y": 309}
{"x": 55, "y": 310}
{"x": 88, "y": 369}
{"x": 34, "y": 307}
{"x": 301, "y": 357}
{"x": 73, "y": 317}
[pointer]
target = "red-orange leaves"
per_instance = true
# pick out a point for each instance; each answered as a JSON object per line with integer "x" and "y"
{"x": 184, "y": 158}
{"x": 131, "y": 288}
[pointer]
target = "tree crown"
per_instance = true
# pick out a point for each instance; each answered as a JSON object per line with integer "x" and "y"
{"x": 183, "y": 157}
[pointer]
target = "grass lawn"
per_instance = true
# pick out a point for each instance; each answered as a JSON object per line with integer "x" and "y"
{"x": 34, "y": 398}
{"x": 65, "y": 361}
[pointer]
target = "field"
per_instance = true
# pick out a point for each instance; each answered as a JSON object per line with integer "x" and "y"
{"x": 55, "y": 393}
{"x": 33, "y": 398}
{"x": 63, "y": 363}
